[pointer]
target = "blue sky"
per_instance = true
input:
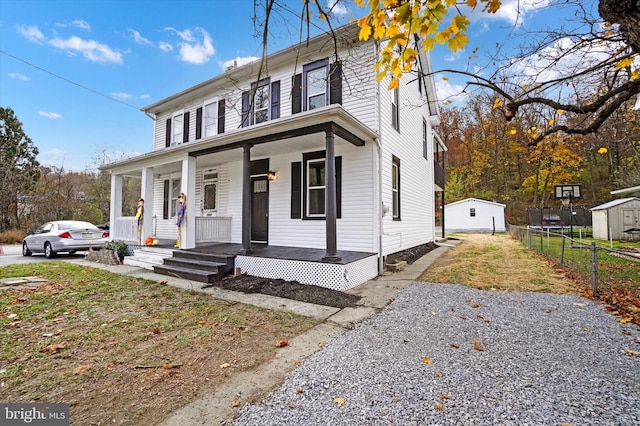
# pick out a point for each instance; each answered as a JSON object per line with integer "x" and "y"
{"x": 77, "y": 72}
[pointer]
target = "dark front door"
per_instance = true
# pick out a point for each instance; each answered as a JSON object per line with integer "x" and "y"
{"x": 259, "y": 209}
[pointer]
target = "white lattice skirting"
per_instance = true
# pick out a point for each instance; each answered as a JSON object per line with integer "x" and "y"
{"x": 329, "y": 275}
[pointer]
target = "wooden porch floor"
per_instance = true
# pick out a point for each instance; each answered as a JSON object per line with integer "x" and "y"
{"x": 281, "y": 252}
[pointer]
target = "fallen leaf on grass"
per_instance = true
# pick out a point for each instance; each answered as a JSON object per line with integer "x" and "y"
{"x": 225, "y": 365}
{"x": 282, "y": 343}
{"x": 53, "y": 349}
{"x": 444, "y": 396}
{"x": 235, "y": 402}
{"x": 167, "y": 366}
{"x": 339, "y": 401}
{"x": 426, "y": 360}
{"x": 439, "y": 373}
{"x": 483, "y": 318}
{"x": 626, "y": 320}
{"x": 477, "y": 346}
{"x": 291, "y": 405}
{"x": 202, "y": 322}
{"x": 81, "y": 369}
{"x": 631, "y": 352}
{"x": 439, "y": 407}
{"x": 475, "y": 305}
{"x": 299, "y": 390}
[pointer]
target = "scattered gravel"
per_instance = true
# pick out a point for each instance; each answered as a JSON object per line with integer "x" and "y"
{"x": 539, "y": 359}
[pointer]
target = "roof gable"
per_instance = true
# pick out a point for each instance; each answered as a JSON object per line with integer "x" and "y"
{"x": 467, "y": 200}
{"x": 614, "y": 203}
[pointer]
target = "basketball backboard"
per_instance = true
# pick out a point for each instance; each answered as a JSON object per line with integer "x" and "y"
{"x": 567, "y": 191}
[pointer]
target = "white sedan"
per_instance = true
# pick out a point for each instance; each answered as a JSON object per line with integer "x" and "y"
{"x": 64, "y": 235}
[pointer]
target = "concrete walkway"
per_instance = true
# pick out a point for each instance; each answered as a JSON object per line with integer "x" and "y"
{"x": 216, "y": 408}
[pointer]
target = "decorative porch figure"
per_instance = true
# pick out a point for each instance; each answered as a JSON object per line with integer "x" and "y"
{"x": 182, "y": 204}
{"x": 140, "y": 217}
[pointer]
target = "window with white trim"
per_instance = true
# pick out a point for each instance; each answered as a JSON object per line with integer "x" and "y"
{"x": 395, "y": 186}
{"x": 174, "y": 191}
{"x": 209, "y": 190}
{"x": 177, "y": 127}
{"x": 316, "y": 84}
{"x": 395, "y": 109}
{"x": 315, "y": 187}
{"x": 210, "y": 118}
{"x": 261, "y": 103}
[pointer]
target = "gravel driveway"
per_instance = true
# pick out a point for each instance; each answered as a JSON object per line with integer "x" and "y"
{"x": 538, "y": 359}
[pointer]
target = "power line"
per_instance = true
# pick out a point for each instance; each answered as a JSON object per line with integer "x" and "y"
{"x": 70, "y": 81}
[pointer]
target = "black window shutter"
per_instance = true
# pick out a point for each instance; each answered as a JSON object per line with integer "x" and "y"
{"x": 296, "y": 190}
{"x": 275, "y": 100}
{"x": 339, "y": 186}
{"x": 296, "y": 98}
{"x": 245, "y": 108}
{"x": 335, "y": 83}
{"x": 221, "y": 114}
{"x": 185, "y": 127}
{"x": 199, "y": 123}
{"x": 167, "y": 138}
{"x": 165, "y": 200}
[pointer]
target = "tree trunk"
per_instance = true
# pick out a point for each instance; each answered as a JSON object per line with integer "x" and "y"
{"x": 625, "y": 13}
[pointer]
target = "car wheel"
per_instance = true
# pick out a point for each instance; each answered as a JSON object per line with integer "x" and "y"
{"x": 48, "y": 251}
{"x": 25, "y": 249}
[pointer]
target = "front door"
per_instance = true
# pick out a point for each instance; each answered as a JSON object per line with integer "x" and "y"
{"x": 259, "y": 209}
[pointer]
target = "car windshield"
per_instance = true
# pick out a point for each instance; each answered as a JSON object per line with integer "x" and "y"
{"x": 72, "y": 226}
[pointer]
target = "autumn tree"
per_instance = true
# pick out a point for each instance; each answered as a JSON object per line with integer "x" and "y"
{"x": 19, "y": 170}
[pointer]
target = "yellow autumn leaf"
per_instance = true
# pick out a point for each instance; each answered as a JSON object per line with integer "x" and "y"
{"x": 339, "y": 401}
{"x": 602, "y": 150}
{"x": 445, "y": 78}
{"x": 493, "y": 6}
{"x": 379, "y": 32}
{"x": 365, "y": 30}
{"x": 439, "y": 407}
{"x": 394, "y": 83}
{"x": 477, "y": 346}
{"x": 472, "y": 3}
{"x": 560, "y": 111}
{"x": 426, "y": 360}
{"x": 631, "y": 352}
{"x": 513, "y": 131}
{"x": 497, "y": 103}
{"x": 551, "y": 121}
{"x": 624, "y": 63}
{"x": 439, "y": 373}
{"x": 626, "y": 319}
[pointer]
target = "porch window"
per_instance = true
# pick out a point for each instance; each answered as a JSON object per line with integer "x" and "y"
{"x": 308, "y": 186}
{"x": 395, "y": 186}
{"x": 265, "y": 104}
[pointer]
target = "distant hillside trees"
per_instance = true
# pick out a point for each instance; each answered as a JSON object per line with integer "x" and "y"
{"x": 19, "y": 169}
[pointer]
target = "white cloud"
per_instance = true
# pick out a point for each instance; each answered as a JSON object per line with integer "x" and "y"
{"x": 18, "y": 76}
{"x": 57, "y": 152}
{"x": 78, "y": 23}
{"x": 197, "y": 52}
{"x": 90, "y": 49}
{"x": 448, "y": 91}
{"x": 184, "y": 35}
{"x": 31, "y": 33}
{"x": 238, "y": 62}
{"x": 145, "y": 96}
{"x": 165, "y": 46}
{"x": 138, "y": 38}
{"x": 53, "y": 115}
{"x": 337, "y": 7}
{"x": 121, "y": 96}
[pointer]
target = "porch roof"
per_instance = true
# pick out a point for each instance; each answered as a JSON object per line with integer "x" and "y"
{"x": 306, "y": 124}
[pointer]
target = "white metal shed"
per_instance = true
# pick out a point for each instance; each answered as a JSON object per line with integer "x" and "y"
{"x": 617, "y": 219}
{"x": 474, "y": 215}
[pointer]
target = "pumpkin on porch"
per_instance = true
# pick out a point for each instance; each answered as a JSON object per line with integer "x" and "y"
{"x": 148, "y": 241}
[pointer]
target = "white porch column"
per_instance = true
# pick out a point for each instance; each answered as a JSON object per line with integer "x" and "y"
{"x": 146, "y": 192}
{"x": 189, "y": 188}
{"x": 115, "y": 208}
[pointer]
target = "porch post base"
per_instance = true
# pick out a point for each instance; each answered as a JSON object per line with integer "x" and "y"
{"x": 331, "y": 259}
{"x": 246, "y": 251}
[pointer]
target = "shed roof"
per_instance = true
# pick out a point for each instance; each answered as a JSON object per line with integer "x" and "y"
{"x": 614, "y": 203}
{"x": 466, "y": 200}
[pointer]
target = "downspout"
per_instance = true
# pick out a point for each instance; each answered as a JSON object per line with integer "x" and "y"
{"x": 379, "y": 150}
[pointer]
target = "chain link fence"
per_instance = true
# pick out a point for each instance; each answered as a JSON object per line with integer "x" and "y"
{"x": 599, "y": 268}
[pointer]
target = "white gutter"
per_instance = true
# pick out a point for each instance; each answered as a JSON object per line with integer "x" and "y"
{"x": 379, "y": 150}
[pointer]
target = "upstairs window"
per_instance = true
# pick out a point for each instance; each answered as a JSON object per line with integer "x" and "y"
{"x": 319, "y": 85}
{"x": 395, "y": 110}
{"x": 177, "y": 130}
{"x": 425, "y": 142}
{"x": 265, "y": 104}
{"x": 210, "y": 118}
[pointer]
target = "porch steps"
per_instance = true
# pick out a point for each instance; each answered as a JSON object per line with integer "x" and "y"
{"x": 147, "y": 257}
{"x": 196, "y": 266}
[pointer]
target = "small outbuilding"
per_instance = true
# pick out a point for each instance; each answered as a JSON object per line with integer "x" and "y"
{"x": 617, "y": 220}
{"x": 473, "y": 215}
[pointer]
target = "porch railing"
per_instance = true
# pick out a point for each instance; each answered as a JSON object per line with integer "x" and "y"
{"x": 213, "y": 229}
{"x": 125, "y": 229}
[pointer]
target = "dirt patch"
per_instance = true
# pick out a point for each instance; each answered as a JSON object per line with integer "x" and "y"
{"x": 287, "y": 289}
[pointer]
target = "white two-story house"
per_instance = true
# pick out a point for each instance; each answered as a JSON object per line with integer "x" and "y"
{"x": 303, "y": 166}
